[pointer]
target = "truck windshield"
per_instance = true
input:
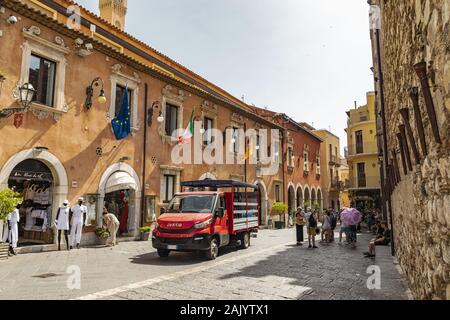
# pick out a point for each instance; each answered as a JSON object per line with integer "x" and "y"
{"x": 192, "y": 204}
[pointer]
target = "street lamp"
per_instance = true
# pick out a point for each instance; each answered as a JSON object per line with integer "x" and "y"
{"x": 90, "y": 93}
{"x": 26, "y": 94}
{"x": 151, "y": 110}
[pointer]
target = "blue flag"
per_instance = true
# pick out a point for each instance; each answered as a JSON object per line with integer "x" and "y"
{"x": 121, "y": 124}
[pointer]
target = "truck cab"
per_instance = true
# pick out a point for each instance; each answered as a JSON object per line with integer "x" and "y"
{"x": 199, "y": 220}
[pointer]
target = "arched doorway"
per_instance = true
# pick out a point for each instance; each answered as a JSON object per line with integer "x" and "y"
{"x": 263, "y": 200}
{"x": 34, "y": 180}
{"x": 36, "y": 167}
{"x": 307, "y": 203}
{"x": 299, "y": 197}
{"x": 291, "y": 200}
{"x": 320, "y": 199}
{"x": 119, "y": 191}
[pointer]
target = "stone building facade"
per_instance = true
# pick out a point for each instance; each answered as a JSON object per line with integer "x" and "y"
{"x": 72, "y": 145}
{"x": 418, "y": 136}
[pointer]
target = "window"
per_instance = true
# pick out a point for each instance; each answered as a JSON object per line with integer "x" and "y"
{"x": 290, "y": 157}
{"x": 207, "y": 126}
{"x": 359, "y": 142}
{"x": 331, "y": 152}
{"x": 277, "y": 193}
{"x": 318, "y": 166}
{"x": 235, "y": 140}
{"x": 42, "y": 76}
{"x": 258, "y": 147}
{"x": 362, "y": 183}
{"x": 169, "y": 185}
{"x": 150, "y": 209}
{"x": 120, "y": 92}
{"x": 276, "y": 152}
{"x": 305, "y": 161}
{"x": 171, "y": 119}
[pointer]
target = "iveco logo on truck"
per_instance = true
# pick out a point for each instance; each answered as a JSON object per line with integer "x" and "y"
{"x": 174, "y": 225}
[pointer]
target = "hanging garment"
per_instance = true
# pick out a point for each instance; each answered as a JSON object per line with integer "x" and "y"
{"x": 124, "y": 219}
{"x": 78, "y": 213}
{"x": 29, "y": 221}
{"x": 62, "y": 220}
{"x": 13, "y": 221}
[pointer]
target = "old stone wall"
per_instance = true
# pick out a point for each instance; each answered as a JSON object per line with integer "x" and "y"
{"x": 415, "y": 31}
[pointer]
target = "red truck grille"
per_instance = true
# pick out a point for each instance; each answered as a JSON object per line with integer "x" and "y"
{"x": 174, "y": 241}
{"x": 179, "y": 231}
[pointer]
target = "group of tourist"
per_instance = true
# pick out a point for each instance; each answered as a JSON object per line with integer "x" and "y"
{"x": 330, "y": 221}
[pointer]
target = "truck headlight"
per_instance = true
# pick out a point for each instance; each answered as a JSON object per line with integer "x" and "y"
{"x": 203, "y": 225}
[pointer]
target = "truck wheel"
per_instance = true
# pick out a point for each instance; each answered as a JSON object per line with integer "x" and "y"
{"x": 162, "y": 253}
{"x": 213, "y": 251}
{"x": 245, "y": 241}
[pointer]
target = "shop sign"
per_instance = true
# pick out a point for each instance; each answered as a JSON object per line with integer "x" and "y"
{"x": 29, "y": 175}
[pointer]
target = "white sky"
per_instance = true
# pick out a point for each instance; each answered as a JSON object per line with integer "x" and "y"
{"x": 309, "y": 59}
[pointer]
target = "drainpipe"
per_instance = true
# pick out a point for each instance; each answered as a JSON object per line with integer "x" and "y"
{"x": 387, "y": 205}
{"x": 144, "y": 161}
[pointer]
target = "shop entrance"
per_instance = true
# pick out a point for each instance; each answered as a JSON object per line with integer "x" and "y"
{"x": 118, "y": 203}
{"x": 34, "y": 181}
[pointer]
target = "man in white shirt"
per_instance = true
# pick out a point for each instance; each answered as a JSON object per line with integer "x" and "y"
{"x": 78, "y": 217}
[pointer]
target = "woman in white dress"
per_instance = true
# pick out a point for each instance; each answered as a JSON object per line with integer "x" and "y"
{"x": 62, "y": 224}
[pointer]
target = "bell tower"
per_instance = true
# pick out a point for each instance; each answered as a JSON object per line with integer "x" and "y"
{"x": 114, "y": 11}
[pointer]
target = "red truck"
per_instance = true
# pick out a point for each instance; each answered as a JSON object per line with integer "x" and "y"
{"x": 206, "y": 217}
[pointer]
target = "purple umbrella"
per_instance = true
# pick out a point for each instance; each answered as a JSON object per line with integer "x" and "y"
{"x": 351, "y": 217}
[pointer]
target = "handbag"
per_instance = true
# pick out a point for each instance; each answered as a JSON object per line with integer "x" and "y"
{"x": 318, "y": 231}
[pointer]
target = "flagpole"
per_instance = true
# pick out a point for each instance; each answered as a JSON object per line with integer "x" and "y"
{"x": 245, "y": 157}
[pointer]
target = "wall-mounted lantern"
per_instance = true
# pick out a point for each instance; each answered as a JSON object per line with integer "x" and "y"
{"x": 90, "y": 93}
{"x": 151, "y": 111}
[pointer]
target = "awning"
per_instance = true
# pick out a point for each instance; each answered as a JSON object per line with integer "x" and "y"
{"x": 120, "y": 181}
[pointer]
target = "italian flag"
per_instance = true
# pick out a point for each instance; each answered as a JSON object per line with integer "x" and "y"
{"x": 189, "y": 133}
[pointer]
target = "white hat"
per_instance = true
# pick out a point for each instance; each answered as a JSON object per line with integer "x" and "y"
{"x": 81, "y": 199}
{"x": 66, "y": 202}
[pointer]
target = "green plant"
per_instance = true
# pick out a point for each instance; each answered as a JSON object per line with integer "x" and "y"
{"x": 279, "y": 208}
{"x": 315, "y": 207}
{"x": 145, "y": 230}
{"x": 102, "y": 233}
{"x": 9, "y": 200}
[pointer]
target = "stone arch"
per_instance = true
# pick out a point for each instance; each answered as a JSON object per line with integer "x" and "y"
{"x": 291, "y": 198}
{"x": 135, "y": 207}
{"x": 264, "y": 197}
{"x": 307, "y": 196}
{"x": 320, "y": 198}
{"x": 300, "y": 197}
{"x": 60, "y": 180}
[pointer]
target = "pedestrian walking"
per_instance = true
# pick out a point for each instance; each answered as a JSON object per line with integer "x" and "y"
{"x": 62, "y": 224}
{"x": 312, "y": 226}
{"x": 300, "y": 223}
{"x": 13, "y": 220}
{"x": 326, "y": 228}
{"x": 111, "y": 223}
{"x": 77, "y": 223}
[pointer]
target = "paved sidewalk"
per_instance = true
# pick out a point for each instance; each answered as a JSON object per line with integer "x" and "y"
{"x": 273, "y": 268}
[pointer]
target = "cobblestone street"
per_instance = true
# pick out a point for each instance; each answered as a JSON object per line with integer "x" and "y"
{"x": 273, "y": 268}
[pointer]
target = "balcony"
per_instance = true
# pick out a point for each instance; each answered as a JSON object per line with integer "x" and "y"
{"x": 359, "y": 118}
{"x": 335, "y": 161}
{"x": 337, "y": 185}
{"x": 369, "y": 148}
{"x": 364, "y": 182}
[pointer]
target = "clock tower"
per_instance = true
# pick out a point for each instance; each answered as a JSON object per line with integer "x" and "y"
{"x": 114, "y": 11}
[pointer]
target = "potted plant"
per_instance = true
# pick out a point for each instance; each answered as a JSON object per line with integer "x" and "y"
{"x": 279, "y": 209}
{"x": 145, "y": 233}
{"x": 9, "y": 200}
{"x": 103, "y": 235}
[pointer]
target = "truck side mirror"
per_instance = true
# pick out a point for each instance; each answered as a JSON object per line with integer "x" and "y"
{"x": 162, "y": 211}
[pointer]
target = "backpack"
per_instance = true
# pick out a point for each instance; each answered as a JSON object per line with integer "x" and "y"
{"x": 333, "y": 222}
{"x": 312, "y": 221}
